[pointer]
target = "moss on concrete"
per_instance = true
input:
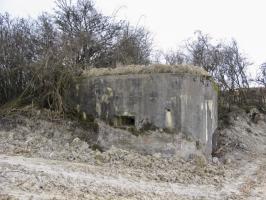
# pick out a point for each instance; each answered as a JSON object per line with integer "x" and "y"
{"x": 215, "y": 86}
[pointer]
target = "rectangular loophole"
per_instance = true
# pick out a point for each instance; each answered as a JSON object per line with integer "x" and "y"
{"x": 124, "y": 121}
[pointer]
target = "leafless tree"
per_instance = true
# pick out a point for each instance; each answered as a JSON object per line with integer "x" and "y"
{"x": 175, "y": 58}
{"x": 86, "y": 33}
{"x": 261, "y": 77}
{"x": 232, "y": 68}
{"x": 134, "y": 46}
{"x": 203, "y": 53}
{"x": 17, "y": 51}
{"x": 157, "y": 56}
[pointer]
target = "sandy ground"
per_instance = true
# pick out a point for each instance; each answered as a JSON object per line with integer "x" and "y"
{"x": 45, "y": 160}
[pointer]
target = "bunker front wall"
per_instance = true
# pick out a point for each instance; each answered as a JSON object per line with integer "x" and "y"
{"x": 182, "y": 104}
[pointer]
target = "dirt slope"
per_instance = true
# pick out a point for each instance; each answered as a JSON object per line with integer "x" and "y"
{"x": 45, "y": 160}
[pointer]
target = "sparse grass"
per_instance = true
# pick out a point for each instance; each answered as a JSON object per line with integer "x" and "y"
{"x": 150, "y": 69}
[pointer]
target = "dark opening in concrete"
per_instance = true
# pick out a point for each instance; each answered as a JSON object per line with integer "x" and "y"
{"x": 125, "y": 120}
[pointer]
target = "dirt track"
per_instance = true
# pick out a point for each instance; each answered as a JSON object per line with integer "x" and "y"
{"x": 35, "y": 178}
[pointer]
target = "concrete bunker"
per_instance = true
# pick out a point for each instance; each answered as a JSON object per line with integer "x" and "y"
{"x": 179, "y": 99}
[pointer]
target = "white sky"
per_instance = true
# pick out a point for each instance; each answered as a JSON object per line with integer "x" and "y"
{"x": 173, "y": 21}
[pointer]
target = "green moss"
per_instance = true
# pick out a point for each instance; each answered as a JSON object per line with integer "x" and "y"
{"x": 215, "y": 86}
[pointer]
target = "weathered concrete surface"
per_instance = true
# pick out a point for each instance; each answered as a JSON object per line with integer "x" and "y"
{"x": 185, "y": 105}
{"x": 151, "y": 142}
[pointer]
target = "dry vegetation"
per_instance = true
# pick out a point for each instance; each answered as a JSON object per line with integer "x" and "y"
{"x": 43, "y": 159}
{"x": 142, "y": 69}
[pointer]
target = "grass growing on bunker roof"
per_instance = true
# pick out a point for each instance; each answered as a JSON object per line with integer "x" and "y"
{"x": 150, "y": 69}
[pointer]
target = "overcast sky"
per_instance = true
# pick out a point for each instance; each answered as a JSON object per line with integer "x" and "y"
{"x": 173, "y": 21}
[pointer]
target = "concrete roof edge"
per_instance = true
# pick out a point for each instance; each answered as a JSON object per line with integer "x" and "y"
{"x": 146, "y": 69}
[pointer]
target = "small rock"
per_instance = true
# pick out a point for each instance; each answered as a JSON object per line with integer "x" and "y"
{"x": 157, "y": 155}
{"x": 215, "y": 160}
{"x": 243, "y": 146}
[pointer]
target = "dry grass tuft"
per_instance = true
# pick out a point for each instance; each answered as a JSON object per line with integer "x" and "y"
{"x": 150, "y": 69}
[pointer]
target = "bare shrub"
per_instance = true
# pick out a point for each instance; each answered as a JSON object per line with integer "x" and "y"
{"x": 40, "y": 58}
